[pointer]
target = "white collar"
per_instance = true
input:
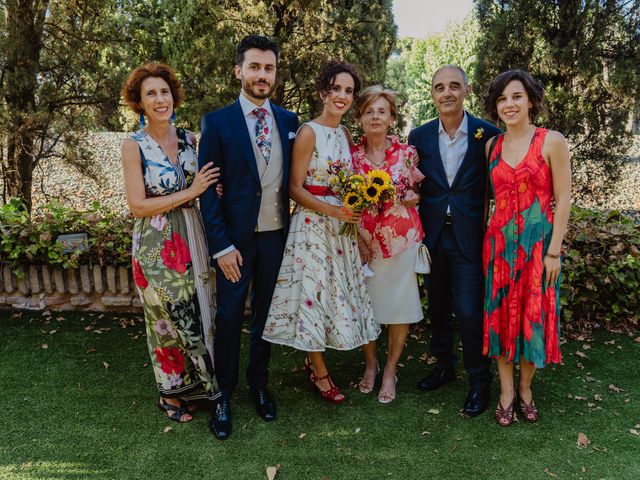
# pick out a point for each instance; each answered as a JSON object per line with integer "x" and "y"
{"x": 463, "y": 128}
{"x": 248, "y": 106}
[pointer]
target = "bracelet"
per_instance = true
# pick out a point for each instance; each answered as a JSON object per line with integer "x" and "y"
{"x": 550, "y": 255}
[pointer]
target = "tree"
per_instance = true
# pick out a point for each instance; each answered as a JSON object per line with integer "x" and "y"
{"x": 417, "y": 60}
{"x": 310, "y": 32}
{"x": 587, "y": 56}
{"x": 50, "y": 80}
{"x": 63, "y": 63}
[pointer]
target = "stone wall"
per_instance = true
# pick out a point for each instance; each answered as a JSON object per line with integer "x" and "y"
{"x": 92, "y": 288}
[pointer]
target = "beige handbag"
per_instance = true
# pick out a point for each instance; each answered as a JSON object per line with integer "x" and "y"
{"x": 423, "y": 259}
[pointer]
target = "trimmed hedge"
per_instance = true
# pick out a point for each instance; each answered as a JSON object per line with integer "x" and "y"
{"x": 26, "y": 239}
{"x": 601, "y": 266}
{"x": 601, "y": 271}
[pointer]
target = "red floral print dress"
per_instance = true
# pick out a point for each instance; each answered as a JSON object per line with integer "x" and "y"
{"x": 521, "y": 314}
{"x": 395, "y": 228}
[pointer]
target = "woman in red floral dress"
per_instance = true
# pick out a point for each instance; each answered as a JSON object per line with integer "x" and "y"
{"x": 389, "y": 238}
{"x": 530, "y": 178}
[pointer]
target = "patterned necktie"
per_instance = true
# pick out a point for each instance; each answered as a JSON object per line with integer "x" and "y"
{"x": 263, "y": 136}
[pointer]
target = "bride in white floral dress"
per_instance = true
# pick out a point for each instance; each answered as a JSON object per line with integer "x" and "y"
{"x": 320, "y": 300}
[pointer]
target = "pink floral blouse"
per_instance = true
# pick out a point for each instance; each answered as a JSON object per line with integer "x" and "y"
{"x": 395, "y": 228}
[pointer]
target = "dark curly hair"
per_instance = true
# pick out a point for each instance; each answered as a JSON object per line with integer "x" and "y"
{"x": 255, "y": 41}
{"x": 534, "y": 90}
{"x": 132, "y": 86}
{"x": 327, "y": 76}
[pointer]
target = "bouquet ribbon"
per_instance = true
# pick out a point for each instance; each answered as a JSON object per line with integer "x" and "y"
{"x": 320, "y": 191}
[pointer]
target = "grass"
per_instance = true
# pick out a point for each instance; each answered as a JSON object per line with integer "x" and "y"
{"x": 84, "y": 408}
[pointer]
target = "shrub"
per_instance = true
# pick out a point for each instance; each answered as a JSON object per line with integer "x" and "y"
{"x": 601, "y": 271}
{"x": 26, "y": 239}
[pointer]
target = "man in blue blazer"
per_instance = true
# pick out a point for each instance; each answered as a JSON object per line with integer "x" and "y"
{"x": 250, "y": 140}
{"x": 452, "y": 209}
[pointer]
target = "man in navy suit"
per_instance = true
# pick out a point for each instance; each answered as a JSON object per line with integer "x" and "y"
{"x": 452, "y": 210}
{"x": 250, "y": 140}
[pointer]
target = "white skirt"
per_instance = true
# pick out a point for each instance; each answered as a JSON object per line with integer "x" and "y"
{"x": 394, "y": 289}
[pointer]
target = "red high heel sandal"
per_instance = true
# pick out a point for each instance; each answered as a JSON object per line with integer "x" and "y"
{"x": 333, "y": 395}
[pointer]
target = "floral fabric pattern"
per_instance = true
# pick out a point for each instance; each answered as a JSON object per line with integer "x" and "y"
{"x": 521, "y": 314}
{"x": 170, "y": 270}
{"x": 320, "y": 299}
{"x": 395, "y": 228}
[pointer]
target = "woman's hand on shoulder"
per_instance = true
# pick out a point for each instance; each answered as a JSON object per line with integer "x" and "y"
{"x": 206, "y": 177}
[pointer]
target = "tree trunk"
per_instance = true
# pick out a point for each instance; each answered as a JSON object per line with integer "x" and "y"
{"x": 25, "y": 20}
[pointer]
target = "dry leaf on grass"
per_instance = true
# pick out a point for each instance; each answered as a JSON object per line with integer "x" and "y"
{"x": 302, "y": 435}
{"x": 425, "y": 433}
{"x": 167, "y": 429}
{"x": 580, "y": 354}
{"x": 551, "y": 474}
{"x": 44, "y": 346}
{"x": 633, "y": 431}
{"x": 433, "y": 411}
{"x": 358, "y": 430}
{"x": 105, "y": 365}
{"x": 614, "y": 388}
{"x": 583, "y": 441}
{"x": 271, "y": 472}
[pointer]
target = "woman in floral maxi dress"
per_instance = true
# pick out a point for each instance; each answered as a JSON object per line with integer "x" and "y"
{"x": 170, "y": 264}
{"x": 530, "y": 177}
{"x": 320, "y": 300}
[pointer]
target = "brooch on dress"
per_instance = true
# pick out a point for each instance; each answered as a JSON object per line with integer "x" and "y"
{"x": 479, "y": 133}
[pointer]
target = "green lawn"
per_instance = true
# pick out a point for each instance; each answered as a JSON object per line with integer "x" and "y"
{"x": 84, "y": 408}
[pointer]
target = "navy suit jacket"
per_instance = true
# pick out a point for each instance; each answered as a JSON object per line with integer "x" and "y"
{"x": 466, "y": 196}
{"x": 226, "y": 142}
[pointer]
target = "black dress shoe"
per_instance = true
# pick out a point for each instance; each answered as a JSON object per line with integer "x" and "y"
{"x": 265, "y": 406}
{"x": 477, "y": 401}
{"x": 437, "y": 378}
{"x": 220, "y": 423}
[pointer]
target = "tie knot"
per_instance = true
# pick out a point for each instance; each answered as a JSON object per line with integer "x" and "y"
{"x": 260, "y": 113}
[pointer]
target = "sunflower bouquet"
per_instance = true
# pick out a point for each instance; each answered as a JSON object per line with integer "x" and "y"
{"x": 358, "y": 193}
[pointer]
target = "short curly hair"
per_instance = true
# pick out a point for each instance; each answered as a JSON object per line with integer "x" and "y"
{"x": 534, "y": 90}
{"x": 373, "y": 93}
{"x": 330, "y": 71}
{"x": 131, "y": 91}
{"x": 256, "y": 41}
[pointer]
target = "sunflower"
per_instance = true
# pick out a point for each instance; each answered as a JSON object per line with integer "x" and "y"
{"x": 371, "y": 192}
{"x": 356, "y": 179}
{"x": 379, "y": 177}
{"x": 352, "y": 200}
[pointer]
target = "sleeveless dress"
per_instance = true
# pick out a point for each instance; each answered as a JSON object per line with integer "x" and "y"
{"x": 172, "y": 276}
{"x": 521, "y": 314}
{"x": 320, "y": 299}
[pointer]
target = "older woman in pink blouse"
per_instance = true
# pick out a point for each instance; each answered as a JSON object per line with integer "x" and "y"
{"x": 389, "y": 239}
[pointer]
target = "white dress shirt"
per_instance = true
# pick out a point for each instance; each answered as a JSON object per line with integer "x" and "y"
{"x": 249, "y": 117}
{"x": 453, "y": 150}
